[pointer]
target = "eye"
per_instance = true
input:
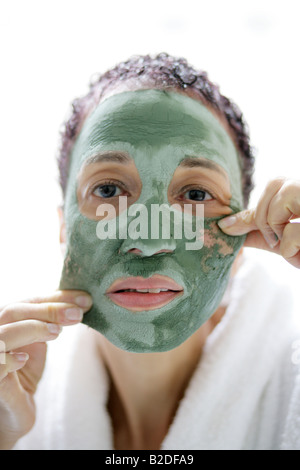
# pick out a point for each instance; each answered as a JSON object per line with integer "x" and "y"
{"x": 197, "y": 195}
{"x": 107, "y": 191}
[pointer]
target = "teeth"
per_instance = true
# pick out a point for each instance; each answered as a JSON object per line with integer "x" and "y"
{"x": 150, "y": 291}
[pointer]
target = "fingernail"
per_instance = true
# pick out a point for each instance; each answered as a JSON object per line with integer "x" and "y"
{"x": 271, "y": 239}
{"x": 84, "y": 301}
{"x": 54, "y": 328}
{"x": 75, "y": 314}
{"x": 227, "y": 221}
{"x": 21, "y": 357}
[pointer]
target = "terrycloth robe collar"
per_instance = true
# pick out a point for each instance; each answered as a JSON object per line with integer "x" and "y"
{"x": 223, "y": 399}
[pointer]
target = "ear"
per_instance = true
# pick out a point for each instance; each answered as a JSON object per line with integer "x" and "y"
{"x": 62, "y": 229}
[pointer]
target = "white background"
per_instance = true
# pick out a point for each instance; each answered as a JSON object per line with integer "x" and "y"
{"x": 50, "y": 50}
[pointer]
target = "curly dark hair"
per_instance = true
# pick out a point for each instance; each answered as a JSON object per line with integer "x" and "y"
{"x": 162, "y": 71}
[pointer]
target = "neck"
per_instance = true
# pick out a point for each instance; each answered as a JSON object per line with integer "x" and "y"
{"x": 145, "y": 389}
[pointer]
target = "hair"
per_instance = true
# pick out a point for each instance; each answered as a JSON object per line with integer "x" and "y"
{"x": 162, "y": 71}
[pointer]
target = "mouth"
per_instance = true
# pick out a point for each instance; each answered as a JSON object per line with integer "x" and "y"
{"x": 139, "y": 294}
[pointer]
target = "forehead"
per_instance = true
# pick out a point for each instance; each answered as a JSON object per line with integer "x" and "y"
{"x": 158, "y": 129}
{"x": 155, "y": 118}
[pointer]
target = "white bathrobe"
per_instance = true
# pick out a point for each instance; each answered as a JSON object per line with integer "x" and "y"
{"x": 244, "y": 394}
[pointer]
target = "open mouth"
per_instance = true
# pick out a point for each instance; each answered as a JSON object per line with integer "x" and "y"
{"x": 138, "y": 294}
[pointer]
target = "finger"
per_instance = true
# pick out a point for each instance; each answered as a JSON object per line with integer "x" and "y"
{"x": 244, "y": 223}
{"x": 254, "y": 219}
{"x": 255, "y": 239}
{"x": 11, "y": 362}
{"x": 289, "y": 247}
{"x": 78, "y": 297}
{"x": 62, "y": 313}
{"x": 262, "y": 210}
{"x": 284, "y": 206}
{"x": 290, "y": 244}
{"x": 239, "y": 224}
{"x": 22, "y": 333}
{"x": 30, "y": 375}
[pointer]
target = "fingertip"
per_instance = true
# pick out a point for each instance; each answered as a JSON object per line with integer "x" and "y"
{"x": 270, "y": 237}
{"x": 227, "y": 222}
{"x": 54, "y": 328}
{"x": 21, "y": 357}
{"x": 84, "y": 301}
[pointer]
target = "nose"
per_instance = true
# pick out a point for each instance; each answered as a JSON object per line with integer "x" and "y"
{"x": 152, "y": 231}
{"x": 147, "y": 248}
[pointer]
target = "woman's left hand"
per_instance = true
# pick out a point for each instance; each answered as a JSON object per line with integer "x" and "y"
{"x": 269, "y": 226}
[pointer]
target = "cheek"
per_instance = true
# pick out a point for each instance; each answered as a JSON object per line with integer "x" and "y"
{"x": 212, "y": 238}
{"x": 219, "y": 250}
{"x": 85, "y": 253}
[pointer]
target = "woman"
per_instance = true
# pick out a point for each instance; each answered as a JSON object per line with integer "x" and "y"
{"x": 168, "y": 362}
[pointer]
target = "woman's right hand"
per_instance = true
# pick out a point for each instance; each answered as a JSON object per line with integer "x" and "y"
{"x": 24, "y": 329}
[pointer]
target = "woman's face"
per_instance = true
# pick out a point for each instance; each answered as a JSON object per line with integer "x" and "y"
{"x": 151, "y": 148}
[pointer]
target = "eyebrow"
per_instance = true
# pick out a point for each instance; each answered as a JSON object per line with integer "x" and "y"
{"x": 109, "y": 156}
{"x": 123, "y": 158}
{"x": 192, "y": 162}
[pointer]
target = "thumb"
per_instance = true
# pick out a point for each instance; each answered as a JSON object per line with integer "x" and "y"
{"x": 239, "y": 224}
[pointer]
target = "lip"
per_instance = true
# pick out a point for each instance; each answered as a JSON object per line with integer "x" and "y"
{"x": 137, "y": 301}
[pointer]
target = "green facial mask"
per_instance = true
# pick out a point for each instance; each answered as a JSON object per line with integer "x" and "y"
{"x": 157, "y": 129}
